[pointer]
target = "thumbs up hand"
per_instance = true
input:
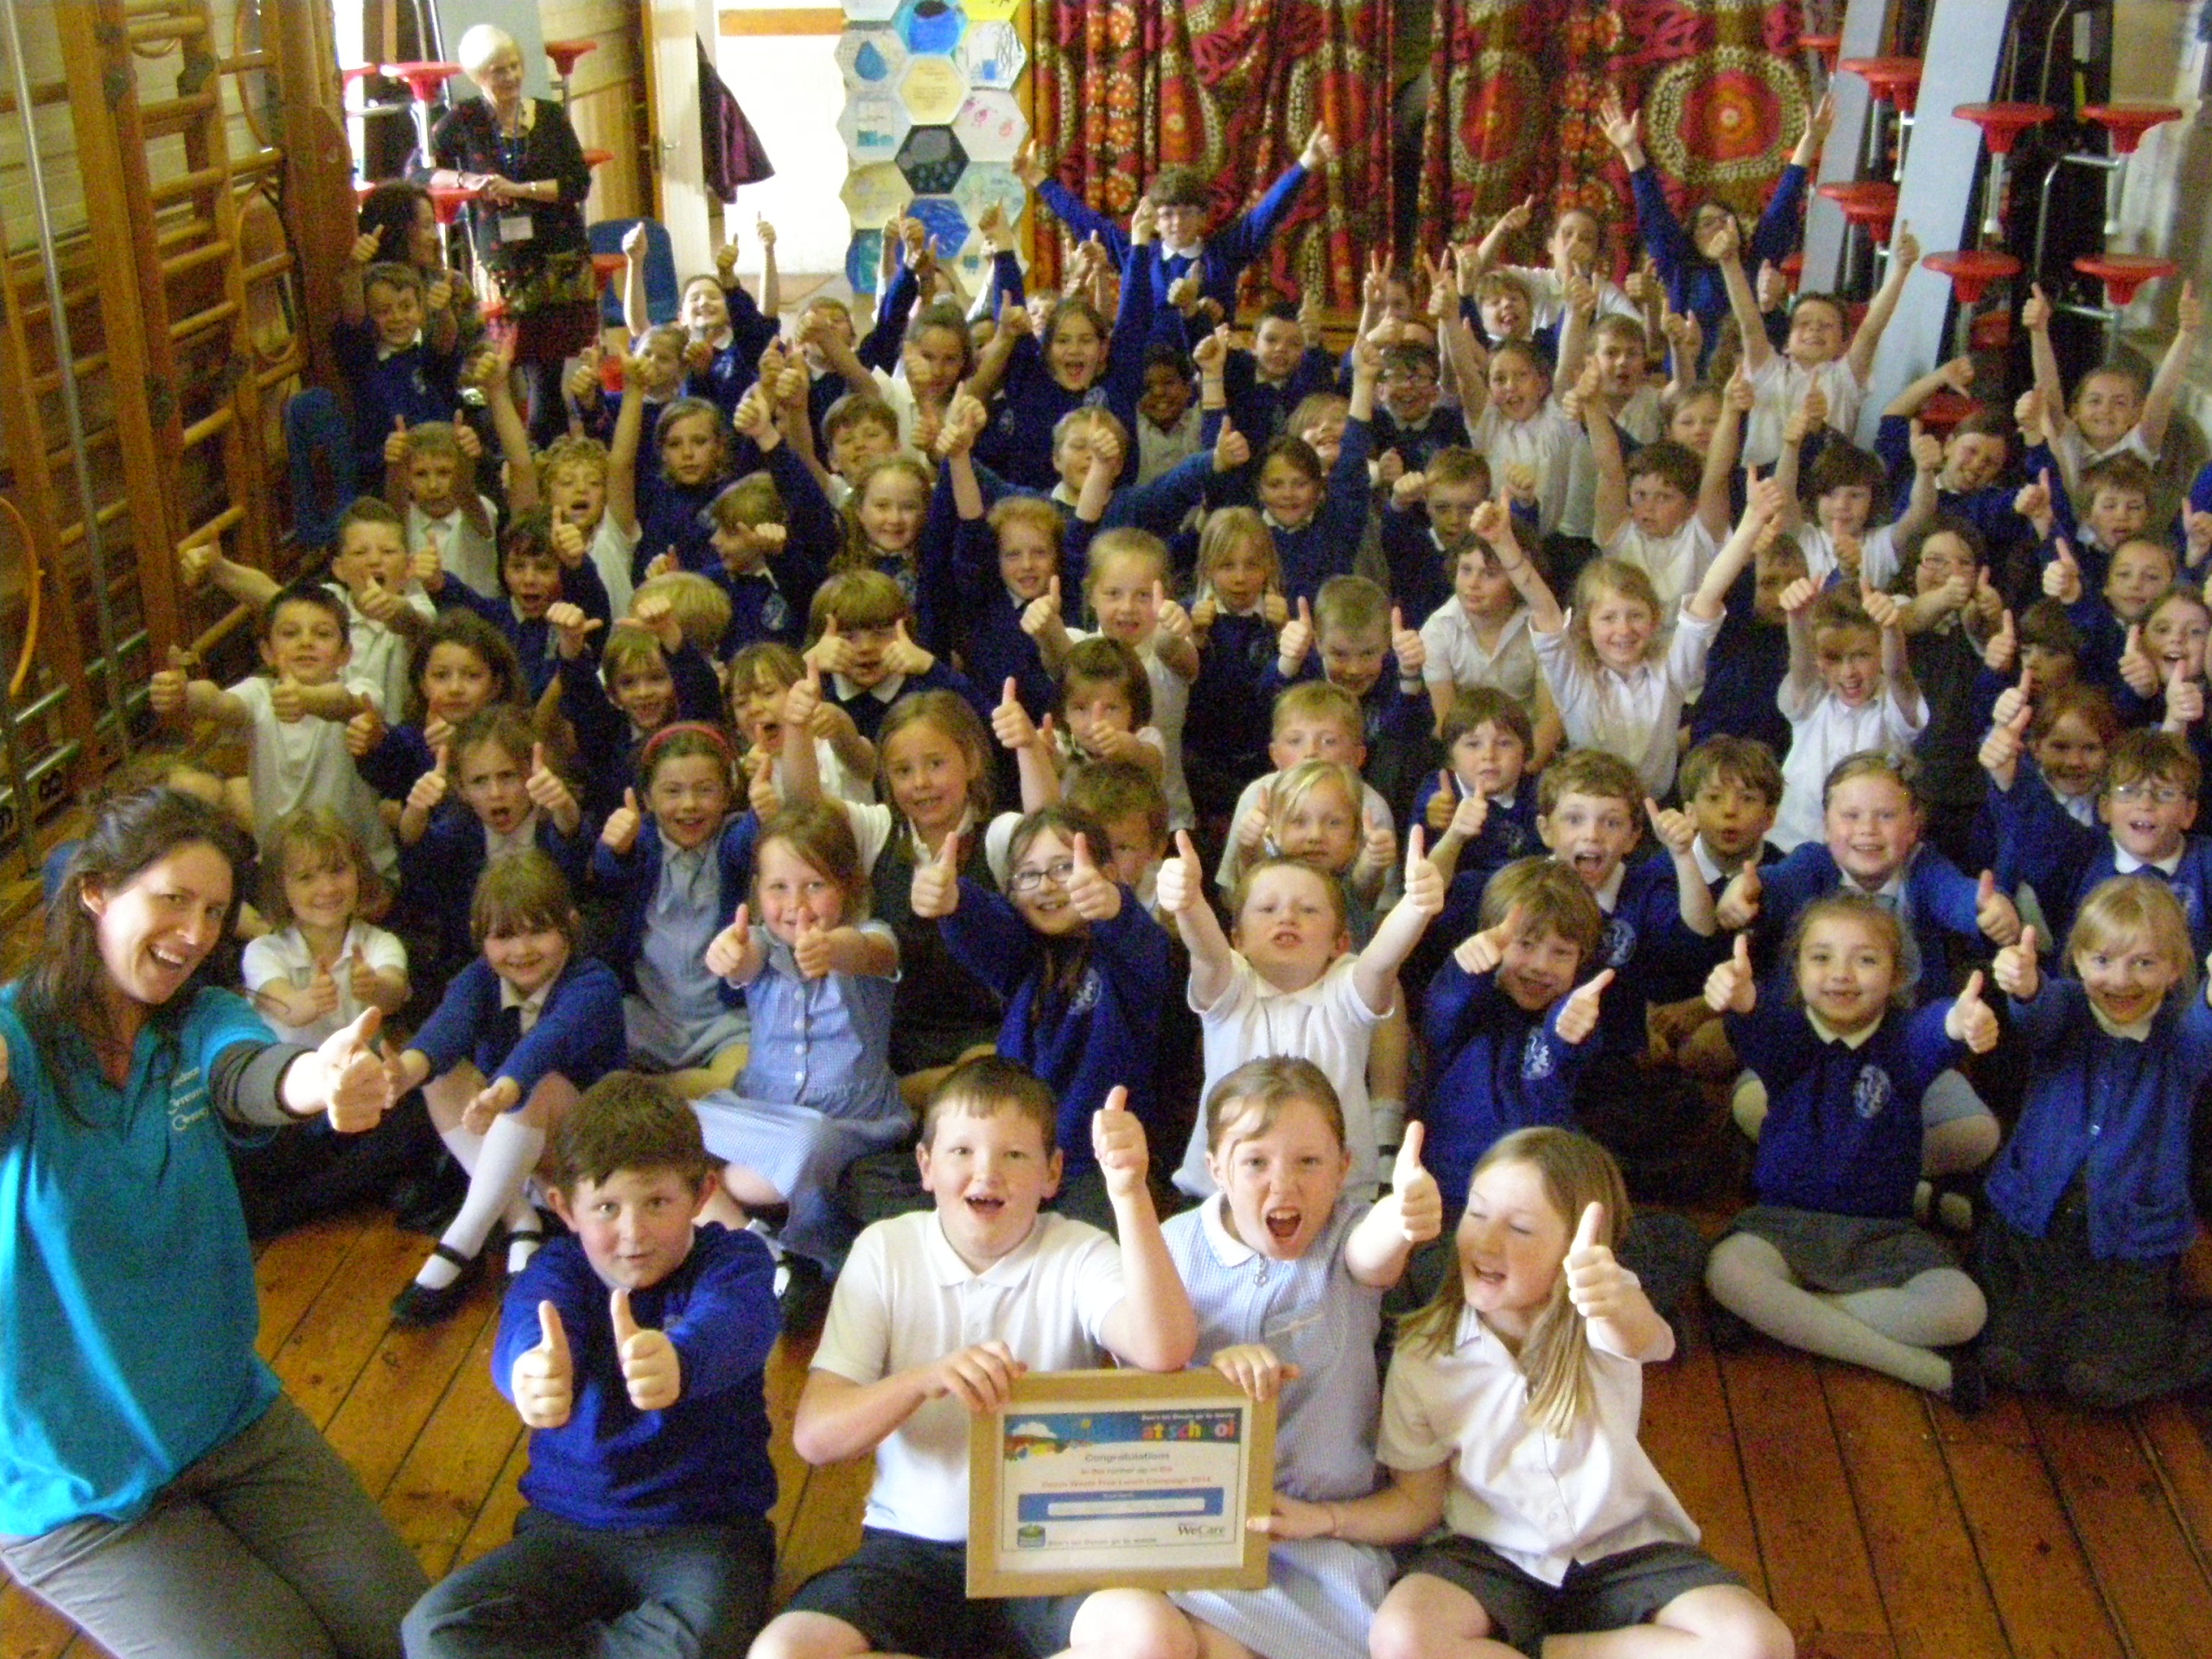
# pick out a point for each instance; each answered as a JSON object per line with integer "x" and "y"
{"x": 2002, "y": 647}
{"x": 1730, "y": 987}
{"x": 1420, "y": 1202}
{"x": 619, "y": 833}
{"x": 1424, "y": 881}
{"x": 1739, "y": 905}
{"x": 167, "y": 688}
{"x": 903, "y": 656}
{"x": 1010, "y": 722}
{"x": 832, "y": 654}
{"x": 652, "y": 1368}
{"x": 1597, "y": 1284}
{"x": 1994, "y": 912}
{"x": 1408, "y": 646}
{"x": 2062, "y": 577}
{"x": 322, "y": 993}
{"x": 1231, "y": 449}
{"x": 1676, "y": 830}
{"x": 1042, "y": 614}
{"x": 731, "y": 955}
{"x": 429, "y": 789}
{"x": 1579, "y": 1017}
{"x": 1092, "y": 894}
{"x": 1169, "y": 616}
{"x": 1971, "y": 1021}
{"x": 1252, "y": 827}
{"x": 1118, "y": 1143}
{"x": 1480, "y": 953}
{"x": 571, "y": 627}
{"x": 937, "y": 882}
{"x": 2008, "y": 735}
{"x": 356, "y": 1086}
{"x": 285, "y": 701}
{"x": 1295, "y": 640}
{"x": 2136, "y": 666}
{"x": 2015, "y": 969}
{"x": 363, "y": 982}
{"x": 811, "y": 953}
{"x": 543, "y": 1380}
{"x": 2184, "y": 699}
{"x": 546, "y": 790}
{"x": 1180, "y": 884}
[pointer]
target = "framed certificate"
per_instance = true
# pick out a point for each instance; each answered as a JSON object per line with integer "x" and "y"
{"x": 1088, "y": 1480}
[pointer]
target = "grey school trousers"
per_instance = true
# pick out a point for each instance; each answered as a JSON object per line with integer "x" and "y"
{"x": 265, "y": 1548}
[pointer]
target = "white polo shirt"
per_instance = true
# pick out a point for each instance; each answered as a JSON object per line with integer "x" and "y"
{"x": 905, "y": 1299}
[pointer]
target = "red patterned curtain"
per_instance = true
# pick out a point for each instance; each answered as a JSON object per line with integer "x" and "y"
{"x": 1514, "y": 107}
{"x": 1125, "y": 87}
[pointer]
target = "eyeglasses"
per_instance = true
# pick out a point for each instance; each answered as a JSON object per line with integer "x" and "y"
{"x": 1030, "y": 879}
{"x": 2160, "y": 795}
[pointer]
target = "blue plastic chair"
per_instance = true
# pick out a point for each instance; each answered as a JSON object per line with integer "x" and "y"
{"x": 661, "y": 295}
{"x": 318, "y": 449}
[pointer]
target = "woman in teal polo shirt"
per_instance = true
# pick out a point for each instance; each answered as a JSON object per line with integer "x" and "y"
{"x": 155, "y": 1485}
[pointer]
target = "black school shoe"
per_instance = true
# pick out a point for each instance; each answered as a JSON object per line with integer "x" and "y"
{"x": 804, "y": 1301}
{"x": 418, "y": 1305}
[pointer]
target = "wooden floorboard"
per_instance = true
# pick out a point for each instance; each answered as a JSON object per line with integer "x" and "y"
{"x": 1882, "y": 1525}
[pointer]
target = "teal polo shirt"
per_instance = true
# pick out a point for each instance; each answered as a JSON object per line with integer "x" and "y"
{"x": 127, "y": 1304}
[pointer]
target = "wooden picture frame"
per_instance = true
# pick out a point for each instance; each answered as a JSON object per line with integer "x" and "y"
{"x": 1179, "y": 1462}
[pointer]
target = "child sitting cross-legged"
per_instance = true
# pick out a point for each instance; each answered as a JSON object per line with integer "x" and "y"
{"x": 935, "y": 1315}
{"x": 633, "y": 1351}
{"x": 1830, "y": 1260}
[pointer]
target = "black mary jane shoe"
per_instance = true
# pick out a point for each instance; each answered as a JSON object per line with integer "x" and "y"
{"x": 418, "y": 1305}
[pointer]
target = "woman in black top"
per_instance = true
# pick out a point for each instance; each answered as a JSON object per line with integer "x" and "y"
{"x": 528, "y": 226}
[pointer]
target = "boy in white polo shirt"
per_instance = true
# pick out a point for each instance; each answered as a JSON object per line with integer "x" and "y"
{"x": 935, "y": 1315}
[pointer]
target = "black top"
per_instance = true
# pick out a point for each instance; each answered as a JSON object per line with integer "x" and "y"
{"x": 468, "y": 140}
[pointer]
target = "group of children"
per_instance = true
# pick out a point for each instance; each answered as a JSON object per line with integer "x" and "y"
{"x": 910, "y": 811}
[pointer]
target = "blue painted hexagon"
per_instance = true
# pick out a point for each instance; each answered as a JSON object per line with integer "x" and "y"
{"x": 873, "y": 126}
{"x": 948, "y": 225}
{"x": 932, "y": 160}
{"x": 860, "y": 259}
{"x": 991, "y": 54}
{"x": 930, "y": 25}
{"x": 986, "y": 182}
{"x": 870, "y": 59}
{"x": 990, "y": 126}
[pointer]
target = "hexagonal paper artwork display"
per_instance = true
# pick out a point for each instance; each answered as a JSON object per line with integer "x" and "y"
{"x": 870, "y": 59}
{"x": 932, "y": 91}
{"x": 870, "y": 12}
{"x": 861, "y": 260}
{"x": 932, "y": 160}
{"x": 873, "y": 126}
{"x": 990, "y": 127}
{"x": 930, "y": 25}
{"x": 990, "y": 54}
{"x": 876, "y": 195}
{"x": 985, "y": 182}
{"x": 948, "y": 226}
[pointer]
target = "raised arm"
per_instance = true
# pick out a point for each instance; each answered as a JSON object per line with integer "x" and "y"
{"x": 1721, "y": 454}
{"x": 2173, "y": 369}
{"x": 1374, "y": 973}
{"x": 1723, "y": 248}
{"x": 1493, "y": 522}
{"x": 1180, "y": 891}
{"x": 622, "y": 452}
{"x": 1904, "y": 254}
{"x": 1763, "y": 508}
{"x": 2043, "y": 357}
{"x": 1582, "y": 402}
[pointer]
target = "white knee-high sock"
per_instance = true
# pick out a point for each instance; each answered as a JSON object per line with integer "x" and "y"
{"x": 466, "y": 1148}
{"x": 508, "y": 1154}
{"x": 1746, "y": 1276}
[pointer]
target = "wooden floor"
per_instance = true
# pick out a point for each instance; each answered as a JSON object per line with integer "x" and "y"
{"x": 1878, "y": 1523}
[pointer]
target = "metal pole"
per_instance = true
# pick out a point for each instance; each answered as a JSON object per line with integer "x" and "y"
{"x": 72, "y": 411}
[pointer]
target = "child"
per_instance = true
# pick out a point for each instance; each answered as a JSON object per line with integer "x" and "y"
{"x": 2090, "y": 1199}
{"x": 1509, "y": 1415}
{"x": 1480, "y": 639}
{"x": 510, "y": 800}
{"x": 431, "y": 476}
{"x": 648, "y": 674}
{"x": 293, "y": 717}
{"x": 1849, "y": 487}
{"x": 883, "y": 521}
{"x": 1103, "y": 705}
{"x": 1951, "y": 625}
{"x": 1312, "y": 721}
{"x": 519, "y": 1031}
{"x": 1007, "y": 561}
{"x": 2112, "y": 413}
{"x": 1850, "y": 689}
{"x": 772, "y": 534}
{"x": 1574, "y": 247}
{"x": 1818, "y": 353}
{"x": 857, "y": 635}
{"x": 1665, "y": 508}
{"x": 1478, "y": 809}
{"x": 1829, "y": 1259}
{"x": 648, "y": 1486}
{"x": 2145, "y": 811}
{"x": 817, "y": 1090}
{"x": 323, "y": 962}
{"x": 1425, "y": 525}
{"x": 1079, "y": 963}
{"x": 462, "y": 665}
{"x": 572, "y": 477}
{"x": 386, "y": 610}
{"x": 934, "y": 1316}
{"x": 719, "y": 315}
{"x": 540, "y": 566}
{"x": 1233, "y": 621}
{"x": 1507, "y": 1031}
{"x": 1358, "y": 635}
{"x": 1618, "y": 679}
{"x": 692, "y": 447}
{"x": 761, "y": 678}
{"x": 674, "y": 864}
{"x": 1126, "y": 588}
{"x": 1751, "y": 654}
{"x": 1284, "y": 980}
{"x": 397, "y": 375}
{"x": 1266, "y": 384}
{"x": 1286, "y": 1274}
{"x": 1530, "y": 439}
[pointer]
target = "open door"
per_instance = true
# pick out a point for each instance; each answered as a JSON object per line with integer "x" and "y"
{"x": 673, "y": 30}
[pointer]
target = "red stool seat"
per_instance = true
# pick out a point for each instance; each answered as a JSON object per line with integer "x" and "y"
{"x": 2127, "y": 123}
{"x": 596, "y": 159}
{"x": 1827, "y": 45}
{"x": 2123, "y": 273}
{"x": 606, "y": 267}
{"x": 448, "y": 199}
{"x": 1973, "y": 270}
{"x": 2001, "y": 124}
{"x": 1793, "y": 265}
{"x": 347, "y": 77}
{"x": 1865, "y": 201}
{"x": 1896, "y": 80}
{"x": 564, "y": 53}
{"x": 1945, "y": 409}
{"x": 425, "y": 80}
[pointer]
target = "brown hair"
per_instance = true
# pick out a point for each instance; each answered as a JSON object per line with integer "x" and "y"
{"x": 861, "y": 597}
{"x": 1744, "y": 761}
{"x": 1317, "y": 700}
{"x": 627, "y": 1120}
{"x": 1252, "y": 1097}
{"x": 1107, "y": 790}
{"x": 472, "y": 634}
{"x": 986, "y": 1085}
{"x": 523, "y": 893}
{"x": 2149, "y": 753}
{"x": 322, "y": 838}
{"x": 1594, "y": 772}
{"x": 1868, "y": 912}
{"x": 1103, "y": 660}
{"x": 951, "y": 715}
{"x": 1486, "y": 705}
{"x": 820, "y": 834}
{"x": 1248, "y": 878}
{"x": 1237, "y": 527}
{"x": 1551, "y": 898}
{"x": 1351, "y": 605}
